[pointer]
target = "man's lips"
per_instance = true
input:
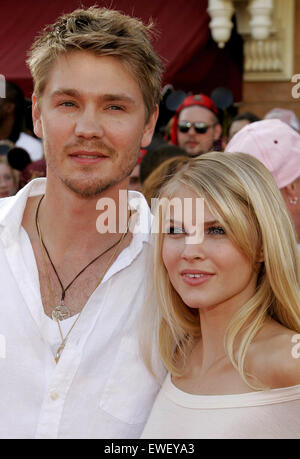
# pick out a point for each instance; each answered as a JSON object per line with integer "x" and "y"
{"x": 191, "y": 143}
{"x": 87, "y": 157}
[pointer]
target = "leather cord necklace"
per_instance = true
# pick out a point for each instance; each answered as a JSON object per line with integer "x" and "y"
{"x": 61, "y": 311}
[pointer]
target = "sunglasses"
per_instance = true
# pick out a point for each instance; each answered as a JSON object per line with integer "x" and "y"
{"x": 200, "y": 128}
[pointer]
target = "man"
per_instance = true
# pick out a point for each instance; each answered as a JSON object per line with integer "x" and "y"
{"x": 195, "y": 126}
{"x": 241, "y": 120}
{"x": 12, "y": 113}
{"x": 287, "y": 116}
{"x": 277, "y": 146}
{"x": 73, "y": 293}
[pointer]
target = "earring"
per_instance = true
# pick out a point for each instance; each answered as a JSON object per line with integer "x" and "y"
{"x": 293, "y": 201}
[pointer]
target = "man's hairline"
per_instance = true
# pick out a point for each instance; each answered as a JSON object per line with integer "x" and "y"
{"x": 215, "y": 119}
{"x": 39, "y": 95}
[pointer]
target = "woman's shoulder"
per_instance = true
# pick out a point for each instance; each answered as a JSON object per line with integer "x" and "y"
{"x": 274, "y": 356}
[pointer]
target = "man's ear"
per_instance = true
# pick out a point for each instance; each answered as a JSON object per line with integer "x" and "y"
{"x": 149, "y": 128}
{"x": 36, "y": 117}
{"x": 217, "y": 131}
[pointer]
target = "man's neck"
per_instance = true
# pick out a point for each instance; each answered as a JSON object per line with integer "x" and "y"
{"x": 82, "y": 222}
{"x": 67, "y": 228}
{"x": 73, "y": 225}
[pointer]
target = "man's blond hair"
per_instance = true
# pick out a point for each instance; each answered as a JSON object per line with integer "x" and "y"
{"x": 103, "y": 32}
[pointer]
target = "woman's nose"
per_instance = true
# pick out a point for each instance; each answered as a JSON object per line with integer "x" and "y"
{"x": 193, "y": 250}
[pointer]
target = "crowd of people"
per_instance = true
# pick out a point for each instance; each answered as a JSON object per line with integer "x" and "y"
{"x": 187, "y": 329}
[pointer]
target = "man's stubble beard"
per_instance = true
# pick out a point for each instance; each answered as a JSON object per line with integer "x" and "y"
{"x": 92, "y": 188}
{"x": 96, "y": 188}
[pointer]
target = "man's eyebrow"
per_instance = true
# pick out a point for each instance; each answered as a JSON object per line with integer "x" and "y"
{"x": 118, "y": 97}
{"x": 65, "y": 92}
{"x": 105, "y": 98}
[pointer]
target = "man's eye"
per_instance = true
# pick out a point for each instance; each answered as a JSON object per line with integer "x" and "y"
{"x": 215, "y": 230}
{"x": 115, "y": 107}
{"x": 67, "y": 104}
{"x": 175, "y": 230}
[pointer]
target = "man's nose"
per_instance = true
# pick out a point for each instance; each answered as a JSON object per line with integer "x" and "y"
{"x": 89, "y": 124}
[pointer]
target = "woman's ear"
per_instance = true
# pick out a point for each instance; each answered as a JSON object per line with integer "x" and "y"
{"x": 290, "y": 194}
{"x": 260, "y": 257}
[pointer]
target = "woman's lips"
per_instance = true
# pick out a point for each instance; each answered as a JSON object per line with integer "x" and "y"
{"x": 193, "y": 278}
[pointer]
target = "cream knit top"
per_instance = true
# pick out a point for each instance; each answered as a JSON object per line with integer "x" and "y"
{"x": 268, "y": 414}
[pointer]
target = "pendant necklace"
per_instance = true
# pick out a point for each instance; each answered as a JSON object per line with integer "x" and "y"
{"x": 61, "y": 312}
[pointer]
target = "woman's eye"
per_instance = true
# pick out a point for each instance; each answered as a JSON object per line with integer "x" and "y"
{"x": 175, "y": 230}
{"x": 215, "y": 230}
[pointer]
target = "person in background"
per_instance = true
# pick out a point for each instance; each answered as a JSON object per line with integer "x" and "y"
{"x": 8, "y": 178}
{"x": 153, "y": 158}
{"x": 12, "y": 116}
{"x": 160, "y": 175}
{"x": 227, "y": 286}
{"x": 20, "y": 160}
{"x": 241, "y": 120}
{"x": 287, "y": 116}
{"x": 5, "y": 146}
{"x": 195, "y": 125}
{"x": 277, "y": 146}
{"x": 134, "y": 178}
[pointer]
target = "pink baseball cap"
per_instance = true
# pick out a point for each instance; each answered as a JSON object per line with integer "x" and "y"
{"x": 275, "y": 144}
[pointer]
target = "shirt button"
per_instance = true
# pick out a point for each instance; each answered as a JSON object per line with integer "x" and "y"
{"x": 54, "y": 396}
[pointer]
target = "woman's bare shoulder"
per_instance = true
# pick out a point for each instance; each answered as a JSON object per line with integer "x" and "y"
{"x": 275, "y": 356}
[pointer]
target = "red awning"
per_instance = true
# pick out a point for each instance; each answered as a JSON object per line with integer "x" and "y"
{"x": 193, "y": 61}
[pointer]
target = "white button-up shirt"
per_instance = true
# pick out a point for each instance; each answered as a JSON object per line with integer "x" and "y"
{"x": 100, "y": 387}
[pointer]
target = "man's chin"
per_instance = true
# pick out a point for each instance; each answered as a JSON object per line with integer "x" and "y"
{"x": 194, "y": 154}
{"x": 88, "y": 190}
{"x": 193, "y": 151}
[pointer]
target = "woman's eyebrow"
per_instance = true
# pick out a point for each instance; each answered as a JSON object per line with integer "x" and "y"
{"x": 211, "y": 222}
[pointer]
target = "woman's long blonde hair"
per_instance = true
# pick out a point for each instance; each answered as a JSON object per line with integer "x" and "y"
{"x": 243, "y": 196}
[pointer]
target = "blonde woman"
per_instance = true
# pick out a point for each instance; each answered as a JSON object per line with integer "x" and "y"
{"x": 228, "y": 306}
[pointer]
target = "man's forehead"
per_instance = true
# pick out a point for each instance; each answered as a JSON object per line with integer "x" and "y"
{"x": 195, "y": 113}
